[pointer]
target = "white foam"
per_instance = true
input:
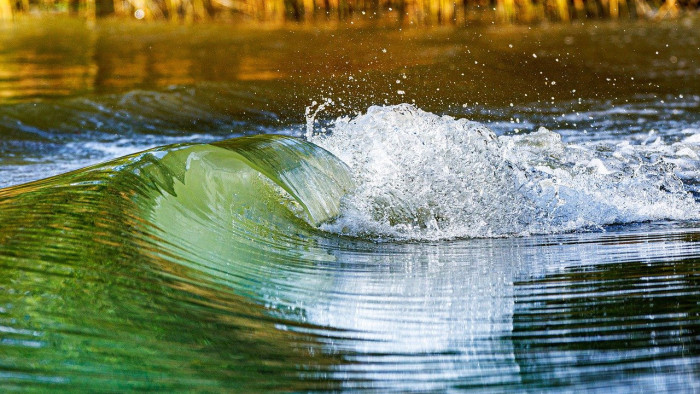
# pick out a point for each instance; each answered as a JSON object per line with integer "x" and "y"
{"x": 424, "y": 176}
{"x": 693, "y": 138}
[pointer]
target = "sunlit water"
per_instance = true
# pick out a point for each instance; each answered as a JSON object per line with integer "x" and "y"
{"x": 502, "y": 209}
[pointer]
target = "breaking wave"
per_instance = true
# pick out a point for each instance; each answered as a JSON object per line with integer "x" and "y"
{"x": 424, "y": 176}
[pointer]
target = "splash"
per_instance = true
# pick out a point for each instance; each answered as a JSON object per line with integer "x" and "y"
{"x": 424, "y": 176}
{"x": 312, "y": 112}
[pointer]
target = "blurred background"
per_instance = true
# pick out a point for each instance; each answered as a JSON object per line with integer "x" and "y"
{"x": 424, "y": 12}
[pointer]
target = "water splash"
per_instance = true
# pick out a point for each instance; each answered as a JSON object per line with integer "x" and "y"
{"x": 312, "y": 112}
{"x": 424, "y": 176}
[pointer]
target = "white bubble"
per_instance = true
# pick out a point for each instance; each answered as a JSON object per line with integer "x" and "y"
{"x": 139, "y": 13}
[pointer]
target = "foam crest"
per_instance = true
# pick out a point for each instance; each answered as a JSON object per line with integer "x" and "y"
{"x": 424, "y": 176}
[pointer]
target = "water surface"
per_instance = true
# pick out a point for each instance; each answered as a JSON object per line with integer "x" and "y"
{"x": 488, "y": 254}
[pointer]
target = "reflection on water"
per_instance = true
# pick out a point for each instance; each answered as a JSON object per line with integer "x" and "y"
{"x": 421, "y": 317}
{"x": 362, "y": 66}
{"x": 574, "y": 311}
{"x": 628, "y": 319}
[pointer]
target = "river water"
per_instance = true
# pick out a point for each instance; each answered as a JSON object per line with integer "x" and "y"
{"x": 408, "y": 209}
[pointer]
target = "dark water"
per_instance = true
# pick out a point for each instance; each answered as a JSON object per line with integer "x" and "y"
{"x": 499, "y": 262}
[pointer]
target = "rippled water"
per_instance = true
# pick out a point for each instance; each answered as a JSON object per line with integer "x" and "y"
{"x": 527, "y": 220}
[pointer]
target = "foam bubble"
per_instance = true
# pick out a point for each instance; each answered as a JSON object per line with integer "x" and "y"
{"x": 424, "y": 176}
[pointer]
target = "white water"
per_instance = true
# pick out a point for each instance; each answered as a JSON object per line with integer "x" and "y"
{"x": 424, "y": 176}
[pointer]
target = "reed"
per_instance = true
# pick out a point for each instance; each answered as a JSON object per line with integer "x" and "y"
{"x": 421, "y": 12}
{"x": 5, "y": 9}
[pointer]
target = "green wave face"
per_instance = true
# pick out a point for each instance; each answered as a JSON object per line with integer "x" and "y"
{"x": 244, "y": 199}
{"x": 243, "y": 174}
{"x": 110, "y": 269}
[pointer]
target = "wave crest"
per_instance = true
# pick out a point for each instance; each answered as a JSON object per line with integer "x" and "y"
{"x": 424, "y": 176}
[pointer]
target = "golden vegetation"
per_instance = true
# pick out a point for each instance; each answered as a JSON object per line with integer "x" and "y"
{"x": 422, "y": 12}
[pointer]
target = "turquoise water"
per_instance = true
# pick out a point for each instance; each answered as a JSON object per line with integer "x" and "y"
{"x": 500, "y": 233}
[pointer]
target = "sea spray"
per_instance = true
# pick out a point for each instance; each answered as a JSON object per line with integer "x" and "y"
{"x": 424, "y": 176}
